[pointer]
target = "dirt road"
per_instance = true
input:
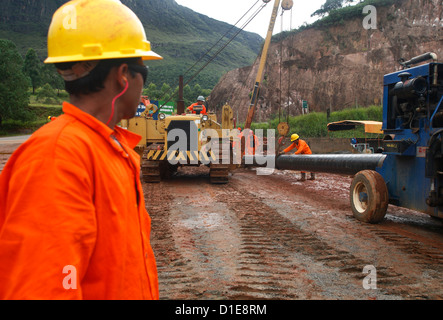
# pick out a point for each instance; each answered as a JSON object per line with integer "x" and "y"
{"x": 272, "y": 237}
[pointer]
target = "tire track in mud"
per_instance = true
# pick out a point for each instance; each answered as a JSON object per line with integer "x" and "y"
{"x": 175, "y": 274}
{"x": 414, "y": 270}
{"x": 427, "y": 257}
{"x": 273, "y": 241}
{"x": 280, "y": 256}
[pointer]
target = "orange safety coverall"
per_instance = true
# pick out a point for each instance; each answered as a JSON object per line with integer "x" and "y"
{"x": 251, "y": 142}
{"x": 302, "y": 147}
{"x": 191, "y": 108}
{"x": 71, "y": 196}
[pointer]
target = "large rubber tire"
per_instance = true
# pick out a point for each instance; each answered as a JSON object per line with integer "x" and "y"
{"x": 369, "y": 196}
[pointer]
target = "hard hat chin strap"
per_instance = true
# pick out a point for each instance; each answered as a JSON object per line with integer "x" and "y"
{"x": 113, "y": 102}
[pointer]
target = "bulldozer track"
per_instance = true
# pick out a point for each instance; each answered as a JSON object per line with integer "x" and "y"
{"x": 219, "y": 172}
{"x": 151, "y": 171}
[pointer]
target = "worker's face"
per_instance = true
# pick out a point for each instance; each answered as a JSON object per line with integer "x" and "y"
{"x": 200, "y": 102}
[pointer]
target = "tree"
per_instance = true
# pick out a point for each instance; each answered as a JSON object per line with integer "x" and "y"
{"x": 50, "y": 75}
{"x": 196, "y": 91}
{"x": 151, "y": 91}
{"x": 165, "y": 92}
{"x": 32, "y": 68}
{"x": 14, "y": 96}
{"x": 187, "y": 95}
{"x": 329, "y": 6}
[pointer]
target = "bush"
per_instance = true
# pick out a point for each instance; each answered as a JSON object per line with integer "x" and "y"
{"x": 47, "y": 95}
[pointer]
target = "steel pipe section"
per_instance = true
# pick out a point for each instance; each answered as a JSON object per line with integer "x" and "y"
{"x": 325, "y": 163}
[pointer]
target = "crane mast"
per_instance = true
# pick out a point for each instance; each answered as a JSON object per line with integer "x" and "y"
{"x": 259, "y": 78}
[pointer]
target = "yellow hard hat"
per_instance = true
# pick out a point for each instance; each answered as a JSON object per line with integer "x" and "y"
{"x": 294, "y": 137}
{"x": 83, "y": 30}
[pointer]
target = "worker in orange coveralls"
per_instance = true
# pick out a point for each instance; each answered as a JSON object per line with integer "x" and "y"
{"x": 195, "y": 107}
{"x": 251, "y": 141}
{"x": 73, "y": 223}
{"x": 302, "y": 148}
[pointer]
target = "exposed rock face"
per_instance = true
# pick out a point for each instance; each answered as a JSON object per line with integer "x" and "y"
{"x": 336, "y": 67}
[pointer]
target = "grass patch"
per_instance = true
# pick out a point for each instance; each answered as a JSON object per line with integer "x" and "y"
{"x": 314, "y": 125}
{"x": 40, "y": 114}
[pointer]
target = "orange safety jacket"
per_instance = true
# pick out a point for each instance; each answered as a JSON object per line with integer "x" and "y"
{"x": 73, "y": 223}
{"x": 191, "y": 108}
{"x": 251, "y": 142}
{"x": 302, "y": 147}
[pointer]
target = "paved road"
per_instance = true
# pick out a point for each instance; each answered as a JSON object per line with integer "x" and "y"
{"x": 14, "y": 139}
{"x": 7, "y": 147}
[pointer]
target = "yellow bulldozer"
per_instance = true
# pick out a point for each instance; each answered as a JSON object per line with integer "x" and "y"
{"x": 171, "y": 141}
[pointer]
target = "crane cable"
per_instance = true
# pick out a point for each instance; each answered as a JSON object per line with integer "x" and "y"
{"x": 289, "y": 74}
{"x": 209, "y": 50}
{"x": 221, "y": 49}
{"x": 281, "y": 67}
{"x": 227, "y": 32}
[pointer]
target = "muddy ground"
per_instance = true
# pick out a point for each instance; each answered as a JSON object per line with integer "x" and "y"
{"x": 273, "y": 237}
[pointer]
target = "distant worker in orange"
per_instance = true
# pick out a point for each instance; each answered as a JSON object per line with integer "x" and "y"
{"x": 198, "y": 107}
{"x": 251, "y": 143}
{"x": 239, "y": 136}
{"x": 73, "y": 219}
{"x": 302, "y": 148}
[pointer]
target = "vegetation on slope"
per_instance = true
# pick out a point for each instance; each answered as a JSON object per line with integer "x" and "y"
{"x": 314, "y": 125}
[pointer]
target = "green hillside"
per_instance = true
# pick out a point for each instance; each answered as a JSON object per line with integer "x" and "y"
{"x": 179, "y": 34}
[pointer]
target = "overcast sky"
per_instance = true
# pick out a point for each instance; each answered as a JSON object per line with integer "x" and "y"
{"x": 231, "y": 11}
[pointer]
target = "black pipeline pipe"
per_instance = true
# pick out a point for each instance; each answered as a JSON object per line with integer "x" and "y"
{"x": 421, "y": 58}
{"x": 326, "y": 163}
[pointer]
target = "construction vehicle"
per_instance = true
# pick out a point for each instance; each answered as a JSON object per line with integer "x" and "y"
{"x": 412, "y": 173}
{"x": 366, "y": 145}
{"x": 409, "y": 171}
{"x": 169, "y": 142}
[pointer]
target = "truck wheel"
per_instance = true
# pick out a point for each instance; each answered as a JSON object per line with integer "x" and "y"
{"x": 369, "y": 196}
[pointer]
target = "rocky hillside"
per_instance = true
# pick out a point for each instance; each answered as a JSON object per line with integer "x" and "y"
{"x": 338, "y": 66}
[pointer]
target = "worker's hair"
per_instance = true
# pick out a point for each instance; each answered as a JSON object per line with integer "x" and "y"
{"x": 94, "y": 81}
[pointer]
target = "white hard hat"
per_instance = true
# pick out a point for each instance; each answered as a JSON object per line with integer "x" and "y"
{"x": 201, "y": 98}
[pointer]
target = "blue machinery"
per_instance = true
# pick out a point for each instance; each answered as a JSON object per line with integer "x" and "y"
{"x": 409, "y": 171}
{"x": 413, "y": 127}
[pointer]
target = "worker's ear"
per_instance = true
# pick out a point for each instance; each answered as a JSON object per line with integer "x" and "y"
{"x": 122, "y": 75}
